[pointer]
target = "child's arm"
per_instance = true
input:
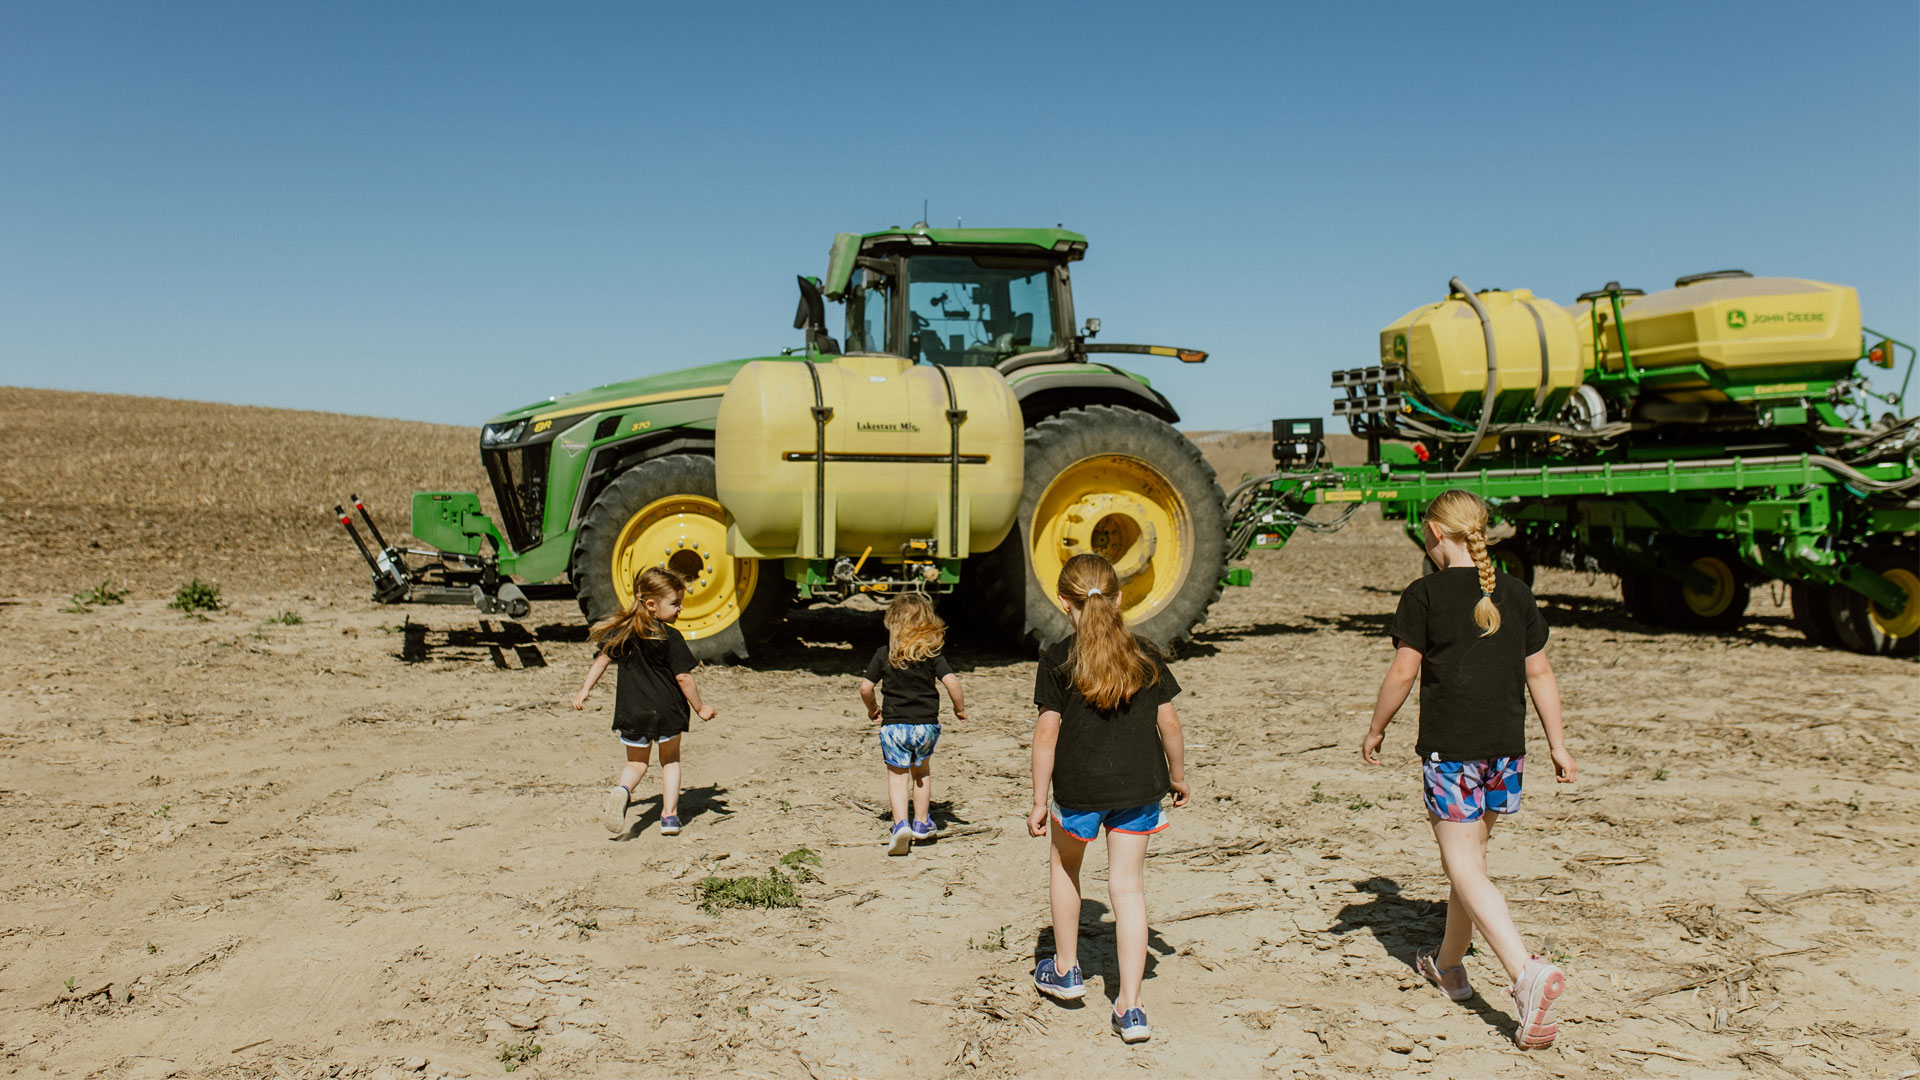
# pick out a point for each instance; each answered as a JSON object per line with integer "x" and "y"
{"x": 866, "y": 698}
{"x": 952, "y": 683}
{"x": 1545, "y": 691}
{"x": 1175, "y": 745}
{"x": 1393, "y": 694}
{"x": 704, "y": 712}
{"x": 1046, "y": 734}
{"x": 598, "y": 669}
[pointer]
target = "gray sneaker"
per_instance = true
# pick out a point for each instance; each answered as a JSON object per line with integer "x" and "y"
{"x": 613, "y": 811}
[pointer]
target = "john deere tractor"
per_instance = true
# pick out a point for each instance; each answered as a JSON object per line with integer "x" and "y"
{"x": 962, "y": 436}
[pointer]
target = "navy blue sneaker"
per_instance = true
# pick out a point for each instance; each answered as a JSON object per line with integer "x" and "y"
{"x": 924, "y": 830}
{"x": 670, "y": 825}
{"x": 1049, "y": 980}
{"x": 1131, "y": 1026}
{"x": 900, "y": 841}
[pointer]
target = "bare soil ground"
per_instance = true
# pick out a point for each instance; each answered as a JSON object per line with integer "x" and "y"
{"x": 364, "y": 844}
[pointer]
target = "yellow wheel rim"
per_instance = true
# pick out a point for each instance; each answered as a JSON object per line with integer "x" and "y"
{"x": 1715, "y": 599}
{"x": 1122, "y": 508}
{"x": 1906, "y": 622}
{"x": 686, "y": 534}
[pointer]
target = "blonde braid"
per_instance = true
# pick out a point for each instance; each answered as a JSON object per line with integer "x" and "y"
{"x": 1485, "y": 614}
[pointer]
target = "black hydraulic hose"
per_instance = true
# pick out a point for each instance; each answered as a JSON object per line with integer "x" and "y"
{"x": 955, "y": 414}
{"x": 1493, "y": 372}
{"x": 821, "y": 414}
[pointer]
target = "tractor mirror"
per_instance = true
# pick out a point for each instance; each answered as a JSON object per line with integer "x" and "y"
{"x": 812, "y": 313}
{"x": 1093, "y": 328}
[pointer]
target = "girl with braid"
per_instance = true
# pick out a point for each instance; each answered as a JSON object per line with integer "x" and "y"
{"x": 1474, "y": 638}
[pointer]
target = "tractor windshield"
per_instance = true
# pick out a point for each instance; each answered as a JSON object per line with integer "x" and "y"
{"x": 977, "y": 311}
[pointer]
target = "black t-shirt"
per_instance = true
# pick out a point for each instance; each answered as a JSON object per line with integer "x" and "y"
{"x": 1472, "y": 688}
{"x": 1109, "y": 760}
{"x": 648, "y": 702}
{"x": 912, "y": 693}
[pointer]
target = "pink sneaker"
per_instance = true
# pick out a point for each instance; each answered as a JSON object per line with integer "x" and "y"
{"x": 1534, "y": 992}
{"x": 1452, "y": 981}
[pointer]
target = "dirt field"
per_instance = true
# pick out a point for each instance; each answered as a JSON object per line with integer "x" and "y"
{"x": 364, "y": 843}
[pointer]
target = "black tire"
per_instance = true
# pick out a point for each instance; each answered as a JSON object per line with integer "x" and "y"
{"x": 1722, "y": 610}
{"x": 1509, "y": 559}
{"x": 1855, "y": 624}
{"x": 1001, "y": 587}
{"x": 1812, "y": 615}
{"x": 761, "y": 611}
{"x": 1636, "y": 595}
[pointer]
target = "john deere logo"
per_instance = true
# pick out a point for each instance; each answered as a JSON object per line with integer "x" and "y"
{"x": 1399, "y": 346}
{"x": 1736, "y": 319}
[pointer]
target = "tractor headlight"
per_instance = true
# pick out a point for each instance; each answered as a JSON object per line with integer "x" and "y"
{"x": 501, "y": 434}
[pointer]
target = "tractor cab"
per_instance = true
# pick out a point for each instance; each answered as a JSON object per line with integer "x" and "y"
{"x": 955, "y": 297}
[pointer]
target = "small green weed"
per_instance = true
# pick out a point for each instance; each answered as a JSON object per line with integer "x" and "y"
{"x": 99, "y": 596}
{"x": 335, "y": 894}
{"x": 589, "y": 922}
{"x": 1854, "y": 804}
{"x": 163, "y": 811}
{"x": 775, "y": 890}
{"x": 1816, "y": 789}
{"x": 1660, "y": 773}
{"x": 70, "y": 983}
{"x": 798, "y": 860}
{"x": 152, "y": 948}
{"x": 785, "y": 806}
{"x": 1357, "y": 804}
{"x": 1559, "y": 955}
{"x": 741, "y": 1009}
{"x": 286, "y": 618}
{"x": 994, "y": 942}
{"x": 197, "y": 596}
{"x": 1754, "y": 820}
{"x": 1314, "y": 794}
{"x": 519, "y": 1054}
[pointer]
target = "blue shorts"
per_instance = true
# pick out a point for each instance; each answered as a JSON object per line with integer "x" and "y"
{"x": 908, "y": 746}
{"x": 1085, "y": 824}
{"x": 643, "y": 741}
{"x": 1468, "y": 790}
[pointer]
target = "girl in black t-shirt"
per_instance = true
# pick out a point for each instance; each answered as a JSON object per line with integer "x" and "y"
{"x": 655, "y": 690}
{"x": 1474, "y": 638}
{"x": 1108, "y": 744}
{"x": 910, "y": 671}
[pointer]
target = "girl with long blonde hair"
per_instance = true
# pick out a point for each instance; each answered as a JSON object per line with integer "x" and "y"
{"x": 1107, "y": 746}
{"x": 909, "y": 669}
{"x": 653, "y": 695}
{"x": 1475, "y": 639}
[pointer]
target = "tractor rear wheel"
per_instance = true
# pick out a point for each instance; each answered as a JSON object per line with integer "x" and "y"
{"x": 664, "y": 513}
{"x": 1636, "y": 595}
{"x": 1721, "y": 606}
{"x": 1122, "y": 484}
{"x": 1862, "y": 626}
{"x": 1812, "y": 612}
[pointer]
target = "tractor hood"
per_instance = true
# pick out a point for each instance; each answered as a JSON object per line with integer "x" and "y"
{"x": 708, "y": 380}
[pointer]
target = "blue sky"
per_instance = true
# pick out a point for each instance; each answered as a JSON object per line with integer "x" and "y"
{"x": 438, "y": 211}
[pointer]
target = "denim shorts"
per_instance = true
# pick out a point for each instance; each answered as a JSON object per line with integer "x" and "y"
{"x": 1468, "y": 790}
{"x": 1085, "y": 824}
{"x": 907, "y": 746}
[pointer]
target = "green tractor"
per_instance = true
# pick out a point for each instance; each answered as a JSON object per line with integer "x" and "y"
{"x": 595, "y": 486}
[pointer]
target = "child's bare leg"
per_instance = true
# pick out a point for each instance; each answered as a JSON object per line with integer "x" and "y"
{"x": 1463, "y": 854}
{"x": 923, "y": 791}
{"x": 899, "y": 782}
{"x": 635, "y": 769}
{"x": 1063, "y": 890}
{"x": 1127, "y": 891}
{"x": 669, "y": 777}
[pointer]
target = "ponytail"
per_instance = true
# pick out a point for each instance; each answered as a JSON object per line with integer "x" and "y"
{"x": 1110, "y": 665}
{"x": 634, "y": 622}
{"x": 1462, "y": 516}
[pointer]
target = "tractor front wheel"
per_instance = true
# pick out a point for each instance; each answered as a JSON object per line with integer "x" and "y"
{"x": 1863, "y": 626}
{"x": 665, "y": 513}
{"x": 1118, "y": 483}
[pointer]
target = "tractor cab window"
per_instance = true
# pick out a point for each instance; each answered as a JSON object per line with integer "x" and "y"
{"x": 977, "y": 311}
{"x": 867, "y": 310}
